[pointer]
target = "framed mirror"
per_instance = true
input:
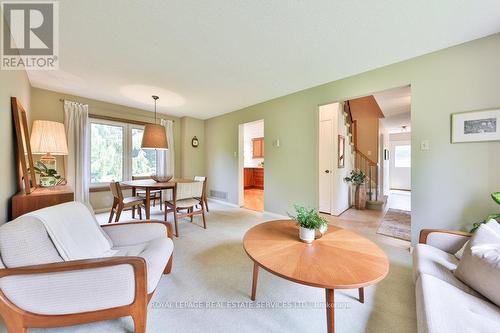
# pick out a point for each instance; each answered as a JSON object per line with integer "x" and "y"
{"x": 26, "y": 174}
{"x": 341, "y": 151}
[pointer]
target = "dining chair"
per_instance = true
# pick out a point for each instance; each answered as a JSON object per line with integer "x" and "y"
{"x": 186, "y": 199}
{"x": 153, "y": 194}
{"x": 120, "y": 203}
{"x": 204, "y": 180}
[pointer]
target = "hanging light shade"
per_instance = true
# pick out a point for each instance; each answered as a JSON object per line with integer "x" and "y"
{"x": 155, "y": 136}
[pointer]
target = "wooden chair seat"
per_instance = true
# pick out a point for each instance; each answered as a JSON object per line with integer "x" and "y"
{"x": 154, "y": 194}
{"x": 185, "y": 203}
{"x": 132, "y": 201}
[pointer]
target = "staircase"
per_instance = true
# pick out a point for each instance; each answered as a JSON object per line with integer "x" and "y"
{"x": 363, "y": 162}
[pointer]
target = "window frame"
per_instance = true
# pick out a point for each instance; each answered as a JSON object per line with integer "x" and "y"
{"x": 126, "y": 143}
{"x": 396, "y": 159}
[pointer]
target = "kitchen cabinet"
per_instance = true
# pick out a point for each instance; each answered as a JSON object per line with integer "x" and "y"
{"x": 253, "y": 178}
{"x": 258, "y": 148}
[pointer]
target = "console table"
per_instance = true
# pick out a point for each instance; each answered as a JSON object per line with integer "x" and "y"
{"x": 39, "y": 198}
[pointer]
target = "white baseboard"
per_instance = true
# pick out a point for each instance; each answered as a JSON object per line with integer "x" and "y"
{"x": 230, "y": 204}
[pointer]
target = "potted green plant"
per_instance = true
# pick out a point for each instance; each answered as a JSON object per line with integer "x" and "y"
{"x": 358, "y": 178}
{"x": 48, "y": 177}
{"x": 496, "y": 197}
{"x": 308, "y": 221}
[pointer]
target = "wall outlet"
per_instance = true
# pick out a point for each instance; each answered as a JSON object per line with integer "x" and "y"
{"x": 424, "y": 145}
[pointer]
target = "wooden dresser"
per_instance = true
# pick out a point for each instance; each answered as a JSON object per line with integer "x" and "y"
{"x": 253, "y": 178}
{"x": 41, "y": 197}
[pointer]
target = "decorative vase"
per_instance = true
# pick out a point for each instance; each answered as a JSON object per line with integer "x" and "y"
{"x": 306, "y": 235}
{"x": 360, "y": 197}
{"x": 47, "y": 181}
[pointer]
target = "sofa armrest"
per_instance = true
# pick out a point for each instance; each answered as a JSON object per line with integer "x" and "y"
{"x": 447, "y": 240}
{"x": 74, "y": 287}
{"x": 132, "y": 233}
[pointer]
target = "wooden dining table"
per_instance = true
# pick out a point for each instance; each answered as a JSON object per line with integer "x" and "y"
{"x": 149, "y": 185}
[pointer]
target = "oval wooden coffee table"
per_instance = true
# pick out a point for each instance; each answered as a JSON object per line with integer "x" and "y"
{"x": 341, "y": 259}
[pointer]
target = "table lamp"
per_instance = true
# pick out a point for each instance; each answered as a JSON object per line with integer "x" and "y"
{"x": 48, "y": 138}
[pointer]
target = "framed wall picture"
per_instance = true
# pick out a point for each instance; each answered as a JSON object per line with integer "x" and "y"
{"x": 386, "y": 154}
{"x": 475, "y": 126}
{"x": 341, "y": 151}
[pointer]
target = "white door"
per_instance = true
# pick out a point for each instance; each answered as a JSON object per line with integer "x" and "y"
{"x": 400, "y": 165}
{"x": 326, "y": 151}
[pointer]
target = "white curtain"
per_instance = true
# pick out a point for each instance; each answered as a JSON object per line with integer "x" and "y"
{"x": 76, "y": 164}
{"x": 165, "y": 159}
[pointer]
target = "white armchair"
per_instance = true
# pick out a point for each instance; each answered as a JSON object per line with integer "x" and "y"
{"x": 41, "y": 285}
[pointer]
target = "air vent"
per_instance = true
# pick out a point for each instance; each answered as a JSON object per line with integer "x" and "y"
{"x": 218, "y": 194}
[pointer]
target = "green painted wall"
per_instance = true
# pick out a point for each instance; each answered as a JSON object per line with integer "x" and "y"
{"x": 15, "y": 84}
{"x": 192, "y": 159}
{"x": 451, "y": 182}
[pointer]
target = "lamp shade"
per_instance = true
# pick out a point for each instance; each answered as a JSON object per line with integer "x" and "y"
{"x": 154, "y": 137}
{"x": 48, "y": 137}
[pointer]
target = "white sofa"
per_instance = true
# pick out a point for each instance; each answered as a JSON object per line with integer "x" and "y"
{"x": 59, "y": 267}
{"x": 444, "y": 303}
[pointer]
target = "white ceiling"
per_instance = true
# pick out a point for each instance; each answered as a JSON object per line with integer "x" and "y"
{"x": 396, "y": 107}
{"x": 206, "y": 58}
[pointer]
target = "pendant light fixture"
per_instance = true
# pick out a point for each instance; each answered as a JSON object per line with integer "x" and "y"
{"x": 155, "y": 136}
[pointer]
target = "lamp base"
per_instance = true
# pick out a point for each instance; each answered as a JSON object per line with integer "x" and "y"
{"x": 49, "y": 161}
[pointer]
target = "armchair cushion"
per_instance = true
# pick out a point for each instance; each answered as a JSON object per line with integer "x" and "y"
{"x": 71, "y": 291}
{"x": 125, "y": 234}
{"x": 74, "y": 231}
{"x": 156, "y": 252}
{"x": 25, "y": 242}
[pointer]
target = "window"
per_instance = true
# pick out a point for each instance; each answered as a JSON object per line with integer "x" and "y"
{"x": 116, "y": 154}
{"x": 402, "y": 156}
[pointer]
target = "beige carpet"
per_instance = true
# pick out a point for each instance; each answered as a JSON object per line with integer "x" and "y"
{"x": 396, "y": 223}
{"x": 208, "y": 290}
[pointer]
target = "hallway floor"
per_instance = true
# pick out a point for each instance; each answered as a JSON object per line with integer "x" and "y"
{"x": 368, "y": 221}
{"x": 254, "y": 199}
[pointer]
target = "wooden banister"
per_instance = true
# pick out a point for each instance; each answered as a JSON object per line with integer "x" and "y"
{"x": 370, "y": 168}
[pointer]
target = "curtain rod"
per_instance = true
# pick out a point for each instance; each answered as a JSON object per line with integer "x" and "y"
{"x": 96, "y": 116}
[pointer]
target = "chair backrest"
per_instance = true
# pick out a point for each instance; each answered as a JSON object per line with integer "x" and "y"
{"x": 188, "y": 190}
{"x": 116, "y": 190}
{"x": 141, "y": 177}
{"x": 204, "y": 180}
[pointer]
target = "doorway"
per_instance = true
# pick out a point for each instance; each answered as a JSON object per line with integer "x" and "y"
{"x": 251, "y": 165}
{"x": 334, "y": 159}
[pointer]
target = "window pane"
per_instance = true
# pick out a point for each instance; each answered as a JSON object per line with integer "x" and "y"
{"x": 106, "y": 153}
{"x": 402, "y": 156}
{"x": 143, "y": 161}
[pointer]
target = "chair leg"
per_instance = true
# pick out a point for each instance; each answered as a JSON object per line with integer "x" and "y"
{"x": 203, "y": 216}
{"x": 139, "y": 209}
{"x": 111, "y": 214}
{"x": 175, "y": 222}
{"x": 140, "y": 322}
{"x": 206, "y": 203}
{"x": 190, "y": 211}
{"x": 168, "y": 268}
{"x": 119, "y": 212}
{"x": 133, "y": 212}
{"x": 161, "y": 200}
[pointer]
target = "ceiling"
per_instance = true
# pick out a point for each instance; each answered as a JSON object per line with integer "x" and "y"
{"x": 206, "y": 58}
{"x": 396, "y": 107}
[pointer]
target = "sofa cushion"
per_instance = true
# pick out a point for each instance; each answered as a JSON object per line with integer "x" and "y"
{"x": 480, "y": 264}
{"x": 440, "y": 264}
{"x": 441, "y": 307}
{"x": 74, "y": 231}
{"x": 156, "y": 252}
{"x": 25, "y": 242}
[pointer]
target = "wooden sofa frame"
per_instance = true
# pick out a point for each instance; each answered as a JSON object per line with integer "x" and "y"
{"x": 424, "y": 233}
{"x": 18, "y": 321}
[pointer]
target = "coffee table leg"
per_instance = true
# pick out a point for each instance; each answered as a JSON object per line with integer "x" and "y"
{"x": 361, "y": 292}
{"x": 254, "y": 280}
{"x": 330, "y": 310}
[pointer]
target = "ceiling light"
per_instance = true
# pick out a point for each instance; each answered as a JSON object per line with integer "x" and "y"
{"x": 155, "y": 136}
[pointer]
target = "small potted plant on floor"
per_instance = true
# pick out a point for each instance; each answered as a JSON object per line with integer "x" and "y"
{"x": 358, "y": 178}
{"x": 308, "y": 221}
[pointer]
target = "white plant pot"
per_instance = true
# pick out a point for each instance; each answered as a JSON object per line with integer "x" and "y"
{"x": 306, "y": 235}
{"x": 323, "y": 229}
